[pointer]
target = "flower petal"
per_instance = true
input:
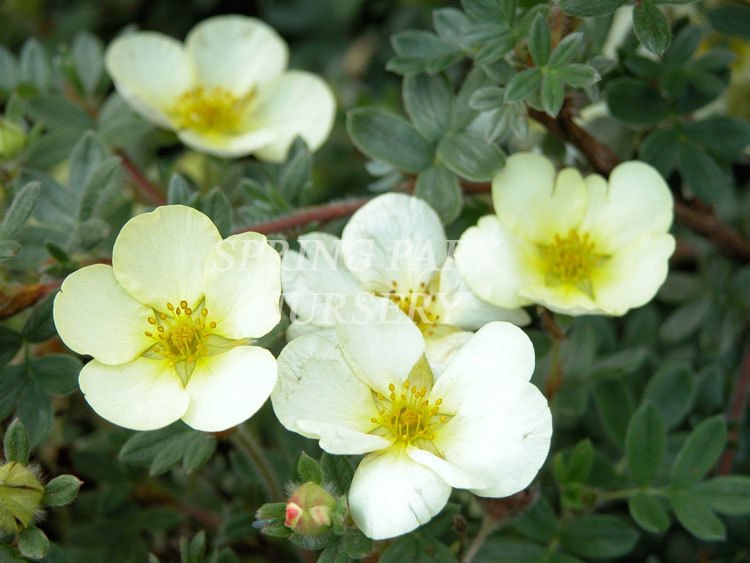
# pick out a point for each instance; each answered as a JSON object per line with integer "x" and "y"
{"x": 300, "y": 328}
{"x": 315, "y": 279}
{"x": 141, "y": 395}
{"x": 499, "y": 439}
{"x": 235, "y": 53}
{"x": 534, "y": 203}
{"x": 453, "y": 475}
{"x": 441, "y": 344}
{"x": 317, "y": 385}
{"x": 499, "y": 350}
{"x": 636, "y": 202}
{"x": 634, "y": 275}
{"x": 339, "y": 440}
{"x": 391, "y": 495}
{"x": 380, "y": 343}
{"x": 227, "y": 145}
{"x": 296, "y": 103}
{"x": 488, "y": 260}
{"x": 94, "y": 315}
{"x": 227, "y": 389}
{"x": 160, "y": 256}
{"x": 563, "y": 298}
{"x": 243, "y": 286}
{"x": 150, "y": 72}
{"x": 394, "y": 238}
{"x": 462, "y": 307}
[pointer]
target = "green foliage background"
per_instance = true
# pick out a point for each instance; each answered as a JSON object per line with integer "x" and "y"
{"x": 651, "y": 448}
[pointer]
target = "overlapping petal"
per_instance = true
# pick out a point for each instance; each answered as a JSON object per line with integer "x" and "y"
{"x": 143, "y": 394}
{"x": 391, "y": 494}
{"x": 227, "y": 389}
{"x": 160, "y": 256}
{"x": 242, "y": 286}
{"x": 94, "y": 315}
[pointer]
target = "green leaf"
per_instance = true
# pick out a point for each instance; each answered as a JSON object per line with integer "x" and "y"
{"x": 296, "y": 175}
{"x": 57, "y": 374}
{"x": 700, "y": 172}
{"x": 487, "y": 98}
{"x": 119, "y": 125}
{"x": 495, "y": 48}
{"x": 20, "y": 210}
{"x": 35, "y": 411}
{"x": 86, "y": 157}
{"x": 539, "y": 522}
{"x": 90, "y": 233}
{"x": 198, "y": 450}
{"x": 729, "y": 494}
{"x": 10, "y": 344}
{"x": 587, "y": 8}
{"x": 217, "y": 206}
{"x": 553, "y": 93}
{"x": 338, "y": 471}
{"x": 697, "y": 517}
{"x": 179, "y": 191}
{"x": 309, "y": 469}
{"x": 671, "y": 391}
{"x": 732, "y": 19}
{"x": 32, "y": 543}
{"x": 599, "y": 536}
{"x": 13, "y": 382}
{"x": 193, "y": 551}
{"x": 8, "y": 249}
{"x": 651, "y": 27}
{"x": 470, "y": 156}
{"x": 161, "y": 449}
{"x": 385, "y": 136}
{"x": 421, "y": 51}
{"x": 16, "y": 443}
{"x": 645, "y": 444}
{"x": 451, "y": 25}
{"x": 635, "y": 101}
{"x": 649, "y": 513}
{"x": 35, "y": 65}
{"x": 88, "y": 60}
{"x": 659, "y": 149}
{"x": 685, "y": 320}
{"x": 428, "y": 100}
{"x": 539, "y": 40}
{"x": 725, "y": 137}
{"x": 566, "y": 50}
{"x": 334, "y": 553}
{"x": 498, "y": 549}
{"x": 271, "y": 511}
{"x": 575, "y": 467}
{"x": 523, "y": 85}
{"x": 9, "y": 73}
{"x": 56, "y": 112}
{"x": 684, "y": 45}
{"x": 700, "y": 451}
{"x": 40, "y": 326}
{"x": 61, "y": 490}
{"x": 440, "y": 187}
{"x": 578, "y": 75}
{"x": 614, "y": 404}
{"x": 356, "y": 544}
{"x": 100, "y": 179}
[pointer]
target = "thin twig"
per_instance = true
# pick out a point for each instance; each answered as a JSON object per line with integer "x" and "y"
{"x": 144, "y": 185}
{"x": 700, "y": 219}
{"x": 319, "y": 213}
{"x": 243, "y": 439}
{"x": 489, "y": 525}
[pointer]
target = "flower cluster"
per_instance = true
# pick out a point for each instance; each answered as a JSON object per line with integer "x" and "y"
{"x": 398, "y": 351}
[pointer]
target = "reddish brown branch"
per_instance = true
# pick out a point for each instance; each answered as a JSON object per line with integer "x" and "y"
{"x": 316, "y": 214}
{"x": 700, "y": 219}
{"x": 737, "y": 405}
{"x": 144, "y": 185}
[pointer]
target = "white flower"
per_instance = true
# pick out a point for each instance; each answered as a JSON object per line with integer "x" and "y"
{"x": 170, "y": 322}
{"x": 575, "y": 245}
{"x": 226, "y": 91}
{"x": 393, "y": 247}
{"x": 480, "y": 425}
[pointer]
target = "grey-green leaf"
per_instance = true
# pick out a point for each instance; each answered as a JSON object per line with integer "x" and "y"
{"x": 553, "y": 92}
{"x": 61, "y": 490}
{"x": 539, "y": 40}
{"x": 470, "y": 156}
{"x": 599, "y": 536}
{"x": 649, "y": 513}
{"x": 697, "y": 517}
{"x": 427, "y": 100}
{"x": 651, "y": 27}
{"x": 20, "y": 210}
{"x": 700, "y": 451}
{"x": 385, "y": 136}
{"x": 439, "y": 187}
{"x": 16, "y": 443}
{"x": 645, "y": 443}
{"x": 523, "y": 84}
{"x": 33, "y": 543}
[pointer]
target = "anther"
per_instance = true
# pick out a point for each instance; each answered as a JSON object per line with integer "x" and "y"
{"x": 183, "y": 304}
{"x": 149, "y": 334}
{"x": 170, "y": 306}
{"x": 152, "y": 320}
{"x": 213, "y": 324}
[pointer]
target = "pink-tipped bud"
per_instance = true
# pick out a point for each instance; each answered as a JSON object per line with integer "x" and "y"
{"x": 308, "y": 510}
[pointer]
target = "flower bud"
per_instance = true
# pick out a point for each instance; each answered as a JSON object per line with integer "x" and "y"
{"x": 308, "y": 510}
{"x": 20, "y": 496}
{"x": 12, "y": 138}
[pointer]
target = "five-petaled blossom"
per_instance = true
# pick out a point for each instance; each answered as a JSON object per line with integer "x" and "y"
{"x": 171, "y": 322}
{"x": 394, "y": 247}
{"x": 575, "y": 245}
{"x": 478, "y": 425}
{"x": 226, "y": 91}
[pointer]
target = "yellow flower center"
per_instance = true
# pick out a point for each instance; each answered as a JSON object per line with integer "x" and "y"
{"x": 570, "y": 260}
{"x": 420, "y": 306}
{"x": 210, "y": 111}
{"x": 180, "y": 335}
{"x": 407, "y": 416}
